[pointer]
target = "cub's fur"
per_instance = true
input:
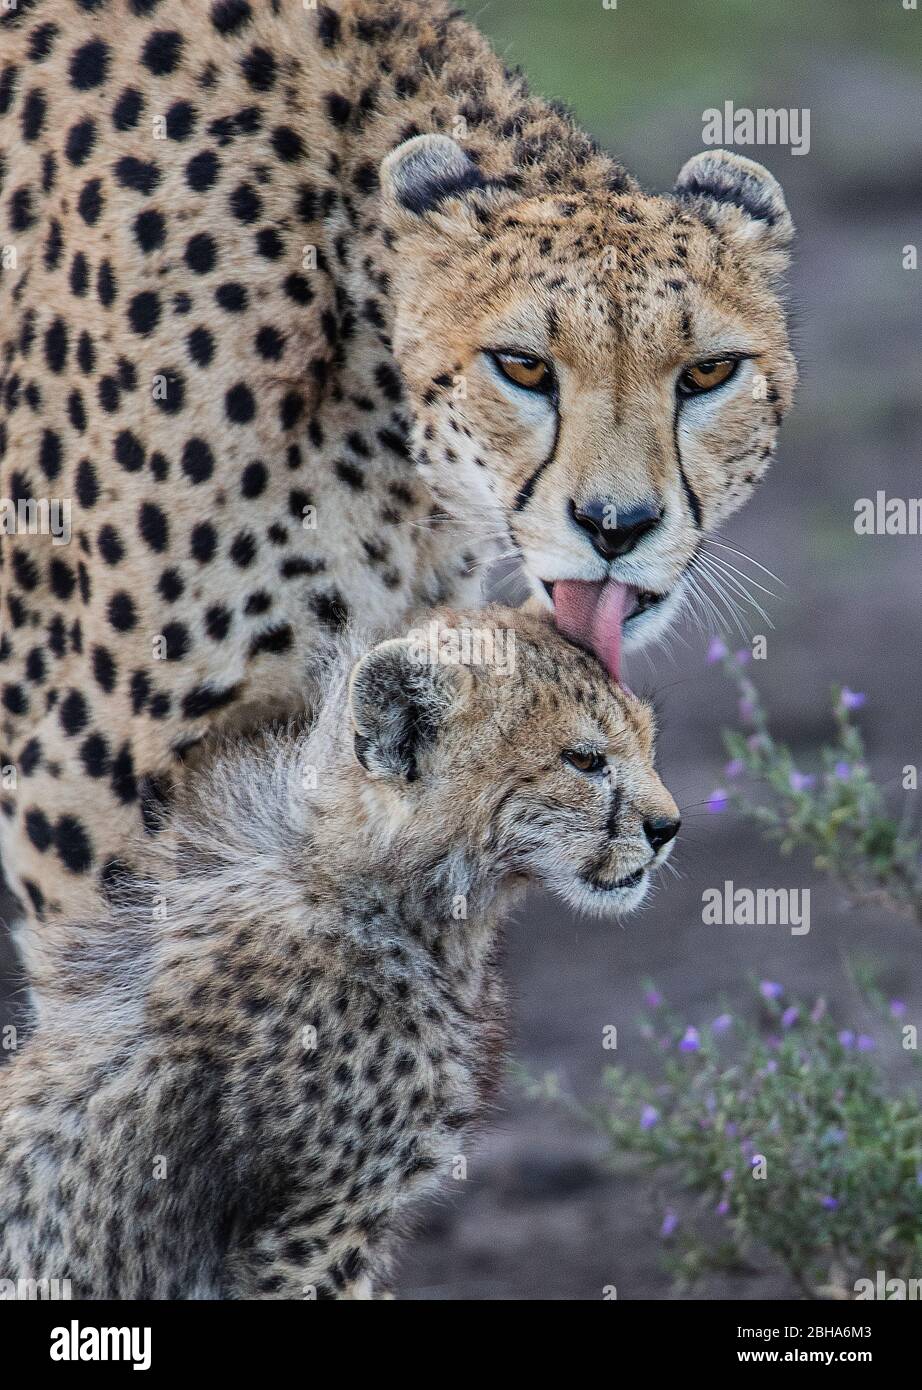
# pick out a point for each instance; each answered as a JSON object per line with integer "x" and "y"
{"x": 242, "y": 1079}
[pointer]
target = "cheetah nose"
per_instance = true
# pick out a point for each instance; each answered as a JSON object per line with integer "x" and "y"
{"x": 659, "y": 830}
{"x": 615, "y": 530}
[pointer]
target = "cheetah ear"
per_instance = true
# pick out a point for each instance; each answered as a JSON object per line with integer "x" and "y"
{"x": 399, "y": 699}
{"x": 744, "y": 200}
{"x": 419, "y": 174}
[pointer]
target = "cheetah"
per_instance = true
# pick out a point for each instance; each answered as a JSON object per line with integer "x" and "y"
{"x": 308, "y": 313}
{"x": 284, "y": 1036}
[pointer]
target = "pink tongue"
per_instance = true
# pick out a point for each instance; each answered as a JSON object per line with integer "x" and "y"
{"x": 592, "y": 614}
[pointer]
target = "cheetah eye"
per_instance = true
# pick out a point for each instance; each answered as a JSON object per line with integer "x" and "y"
{"x": 704, "y": 376}
{"x": 583, "y": 761}
{"x": 524, "y": 370}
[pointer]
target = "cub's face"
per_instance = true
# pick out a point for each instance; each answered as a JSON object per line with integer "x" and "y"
{"x": 522, "y": 754}
{"x": 598, "y": 379}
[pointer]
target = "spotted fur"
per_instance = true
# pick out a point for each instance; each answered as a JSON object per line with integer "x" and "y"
{"x": 259, "y": 252}
{"x": 288, "y": 1030}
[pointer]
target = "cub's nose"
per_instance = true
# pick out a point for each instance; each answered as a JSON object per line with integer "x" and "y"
{"x": 615, "y": 530}
{"x": 659, "y": 830}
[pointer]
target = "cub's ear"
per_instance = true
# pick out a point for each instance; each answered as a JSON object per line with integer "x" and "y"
{"x": 399, "y": 700}
{"x": 744, "y": 200}
{"x": 419, "y": 174}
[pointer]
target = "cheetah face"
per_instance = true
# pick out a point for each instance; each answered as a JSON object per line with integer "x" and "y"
{"x": 526, "y": 765}
{"x": 598, "y": 378}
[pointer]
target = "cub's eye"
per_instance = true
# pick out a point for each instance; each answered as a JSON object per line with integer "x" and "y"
{"x": 583, "y": 761}
{"x": 704, "y": 376}
{"x": 528, "y": 372}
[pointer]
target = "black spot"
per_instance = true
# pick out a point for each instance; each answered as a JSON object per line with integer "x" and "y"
{"x": 110, "y": 545}
{"x": 127, "y": 110}
{"x": 339, "y": 108}
{"x": 94, "y": 753}
{"x": 243, "y": 550}
{"x": 204, "y": 699}
{"x": 106, "y": 286}
{"x": 87, "y": 484}
{"x": 56, "y": 340}
{"x": 90, "y": 202}
{"x": 201, "y": 253}
{"x": 172, "y": 398}
{"x": 331, "y": 609}
{"x": 89, "y": 65}
{"x": 129, "y": 451}
{"x": 270, "y": 344}
{"x": 291, "y": 409}
{"x": 49, "y": 455}
{"x": 231, "y": 297}
{"x": 79, "y": 275}
{"x": 240, "y": 404}
{"x": 328, "y": 26}
{"x": 73, "y": 845}
{"x": 217, "y": 622}
{"x": 245, "y": 203}
{"x": 122, "y": 613}
{"x": 104, "y": 669}
{"x": 201, "y": 346}
{"x": 274, "y": 640}
{"x": 153, "y": 526}
{"x": 32, "y": 117}
{"x": 230, "y": 16}
{"x": 144, "y": 312}
{"x": 41, "y": 41}
{"x": 270, "y": 244}
{"x": 365, "y": 177}
{"x": 21, "y": 215}
{"x": 171, "y": 585}
{"x": 176, "y": 637}
{"x": 38, "y": 829}
{"x": 25, "y": 570}
{"x": 203, "y": 542}
{"x": 80, "y": 141}
{"x": 61, "y": 578}
{"x": 287, "y": 144}
{"x": 162, "y": 52}
{"x": 202, "y": 170}
{"x": 138, "y": 174}
{"x": 150, "y": 229}
{"x": 258, "y": 67}
{"x": 297, "y": 288}
{"x": 197, "y": 460}
{"x": 73, "y": 713}
{"x": 389, "y": 382}
{"x": 180, "y": 120}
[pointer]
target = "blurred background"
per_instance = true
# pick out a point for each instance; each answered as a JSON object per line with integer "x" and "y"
{"x": 539, "y": 1216}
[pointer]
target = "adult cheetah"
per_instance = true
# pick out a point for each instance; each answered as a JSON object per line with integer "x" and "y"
{"x": 303, "y": 312}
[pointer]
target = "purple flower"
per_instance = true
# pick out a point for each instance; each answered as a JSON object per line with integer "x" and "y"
{"x": 742, "y": 657}
{"x": 834, "y": 1135}
{"x": 847, "y": 1038}
{"x": 734, "y": 767}
{"x": 818, "y": 1011}
{"x": 727, "y": 1175}
{"x": 843, "y": 771}
{"x": 722, "y": 1023}
{"x": 771, "y": 1066}
{"x": 690, "y": 1041}
{"x": 769, "y": 989}
{"x": 717, "y": 650}
{"x": 723, "y": 1206}
{"x": 747, "y": 709}
{"x": 653, "y": 998}
{"x": 731, "y": 1130}
{"x": 897, "y": 1008}
{"x": 670, "y": 1222}
{"x": 648, "y": 1116}
{"x": 755, "y": 742}
{"x": 852, "y": 699}
{"x": 790, "y": 1016}
{"x": 866, "y": 1043}
{"x": 831, "y": 1203}
{"x": 801, "y": 781}
{"x": 718, "y": 801}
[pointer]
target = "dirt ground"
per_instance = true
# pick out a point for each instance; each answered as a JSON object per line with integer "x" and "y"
{"x": 539, "y": 1216}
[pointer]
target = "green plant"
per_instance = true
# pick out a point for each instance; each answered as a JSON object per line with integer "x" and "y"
{"x": 786, "y": 1132}
{"x": 838, "y": 813}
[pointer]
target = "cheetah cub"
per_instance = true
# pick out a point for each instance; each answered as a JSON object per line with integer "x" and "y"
{"x": 286, "y": 1034}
